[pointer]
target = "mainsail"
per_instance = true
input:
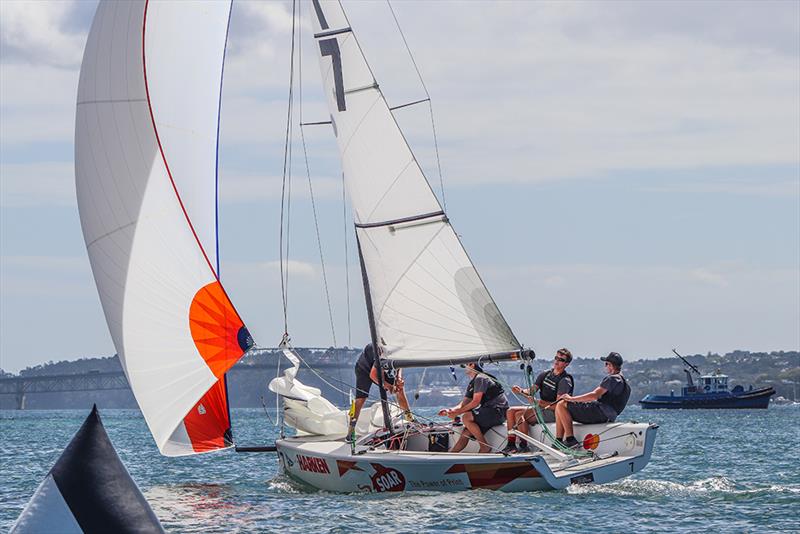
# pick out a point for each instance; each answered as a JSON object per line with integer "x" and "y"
{"x": 429, "y": 304}
{"x": 145, "y": 169}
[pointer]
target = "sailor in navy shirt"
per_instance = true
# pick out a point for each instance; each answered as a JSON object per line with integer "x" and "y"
{"x": 551, "y": 385}
{"x": 602, "y": 405}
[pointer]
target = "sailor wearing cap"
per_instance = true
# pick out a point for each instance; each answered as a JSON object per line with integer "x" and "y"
{"x": 484, "y": 406}
{"x": 602, "y": 405}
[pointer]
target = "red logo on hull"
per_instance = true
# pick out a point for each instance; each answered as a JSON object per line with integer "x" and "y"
{"x": 313, "y": 464}
{"x": 387, "y": 479}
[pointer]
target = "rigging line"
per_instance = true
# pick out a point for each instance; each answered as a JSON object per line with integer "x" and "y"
{"x": 419, "y": 386}
{"x": 322, "y": 376}
{"x": 319, "y": 239}
{"x": 289, "y": 205}
{"x": 430, "y": 103}
{"x": 346, "y": 262}
{"x": 308, "y": 175}
{"x": 286, "y": 168}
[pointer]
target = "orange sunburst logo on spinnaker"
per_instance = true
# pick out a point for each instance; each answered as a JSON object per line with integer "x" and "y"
{"x": 217, "y": 331}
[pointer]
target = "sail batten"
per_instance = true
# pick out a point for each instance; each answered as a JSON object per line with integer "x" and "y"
{"x": 430, "y": 306}
{"x": 145, "y": 167}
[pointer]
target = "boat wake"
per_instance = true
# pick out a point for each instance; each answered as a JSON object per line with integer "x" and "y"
{"x": 284, "y": 484}
{"x": 712, "y": 486}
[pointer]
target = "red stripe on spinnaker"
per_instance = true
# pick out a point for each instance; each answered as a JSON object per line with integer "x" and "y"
{"x": 208, "y": 423}
{"x": 164, "y": 157}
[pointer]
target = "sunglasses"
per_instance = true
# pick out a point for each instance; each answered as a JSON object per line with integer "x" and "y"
{"x": 563, "y": 360}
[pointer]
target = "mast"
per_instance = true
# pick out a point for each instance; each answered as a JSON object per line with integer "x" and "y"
{"x": 373, "y": 331}
{"x": 425, "y": 295}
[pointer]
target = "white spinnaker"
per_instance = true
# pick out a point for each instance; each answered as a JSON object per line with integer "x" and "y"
{"x": 429, "y": 304}
{"x": 148, "y": 261}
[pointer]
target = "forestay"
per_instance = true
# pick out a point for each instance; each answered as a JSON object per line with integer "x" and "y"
{"x": 145, "y": 167}
{"x": 429, "y": 303}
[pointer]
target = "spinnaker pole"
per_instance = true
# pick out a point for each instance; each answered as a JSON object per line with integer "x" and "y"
{"x": 373, "y": 331}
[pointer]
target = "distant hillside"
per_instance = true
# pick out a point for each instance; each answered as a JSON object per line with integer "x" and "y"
{"x": 247, "y": 382}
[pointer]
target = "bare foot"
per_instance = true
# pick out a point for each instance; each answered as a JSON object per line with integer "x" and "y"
{"x": 484, "y": 449}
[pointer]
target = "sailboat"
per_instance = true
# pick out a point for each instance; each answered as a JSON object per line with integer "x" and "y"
{"x": 145, "y": 161}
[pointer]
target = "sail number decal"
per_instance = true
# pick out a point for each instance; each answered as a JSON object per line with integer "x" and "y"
{"x": 330, "y": 47}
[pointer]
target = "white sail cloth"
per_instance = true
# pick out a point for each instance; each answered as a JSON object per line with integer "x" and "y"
{"x": 429, "y": 303}
{"x": 305, "y": 409}
{"x": 308, "y": 412}
{"x": 145, "y": 169}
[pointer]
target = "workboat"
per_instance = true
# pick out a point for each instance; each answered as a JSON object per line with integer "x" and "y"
{"x": 711, "y": 391}
{"x": 146, "y": 177}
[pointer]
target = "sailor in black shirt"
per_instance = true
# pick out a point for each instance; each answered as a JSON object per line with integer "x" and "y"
{"x": 551, "y": 385}
{"x": 367, "y": 374}
{"x": 602, "y": 405}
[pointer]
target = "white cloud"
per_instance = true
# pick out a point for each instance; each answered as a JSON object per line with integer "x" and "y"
{"x": 46, "y": 276}
{"x": 237, "y": 187}
{"x": 552, "y": 100}
{"x": 37, "y": 104}
{"x": 644, "y": 310}
{"x": 706, "y": 276}
{"x": 579, "y": 90}
{"x": 263, "y": 273}
{"x": 754, "y": 187}
{"x": 34, "y": 32}
{"x": 37, "y": 184}
{"x": 554, "y": 281}
{"x": 524, "y": 92}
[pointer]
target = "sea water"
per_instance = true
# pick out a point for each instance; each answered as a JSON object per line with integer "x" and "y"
{"x": 711, "y": 470}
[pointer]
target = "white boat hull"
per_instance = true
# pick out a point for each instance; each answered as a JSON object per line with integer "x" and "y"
{"x": 621, "y": 450}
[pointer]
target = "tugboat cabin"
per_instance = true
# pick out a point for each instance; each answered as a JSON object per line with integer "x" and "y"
{"x": 716, "y": 383}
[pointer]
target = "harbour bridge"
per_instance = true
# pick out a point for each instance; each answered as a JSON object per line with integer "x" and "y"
{"x": 93, "y": 380}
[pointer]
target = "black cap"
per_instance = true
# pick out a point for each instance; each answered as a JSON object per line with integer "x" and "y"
{"x": 614, "y": 358}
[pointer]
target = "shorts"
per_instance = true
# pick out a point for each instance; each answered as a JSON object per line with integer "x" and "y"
{"x": 364, "y": 383}
{"x": 549, "y": 416}
{"x": 589, "y": 412}
{"x": 530, "y": 415}
{"x": 487, "y": 418}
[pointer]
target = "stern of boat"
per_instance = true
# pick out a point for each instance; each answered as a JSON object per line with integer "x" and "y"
{"x": 613, "y": 463}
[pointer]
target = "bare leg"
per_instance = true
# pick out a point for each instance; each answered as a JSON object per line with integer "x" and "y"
{"x": 469, "y": 423}
{"x": 402, "y": 401}
{"x": 563, "y": 421}
{"x": 511, "y": 418}
{"x": 462, "y": 441}
{"x": 523, "y": 423}
{"x": 359, "y": 403}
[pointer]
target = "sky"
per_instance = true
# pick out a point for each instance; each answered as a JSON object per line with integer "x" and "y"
{"x": 624, "y": 175}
